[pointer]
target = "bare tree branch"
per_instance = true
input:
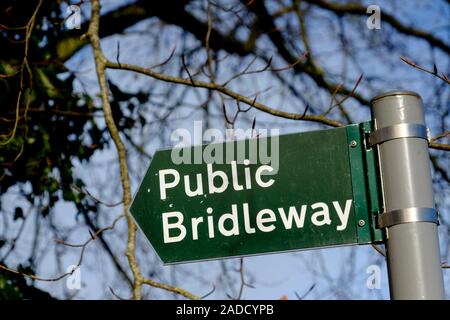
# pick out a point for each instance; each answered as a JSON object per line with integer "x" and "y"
{"x": 434, "y": 72}
{"x": 357, "y": 9}
{"x": 101, "y": 65}
{"x": 206, "y": 85}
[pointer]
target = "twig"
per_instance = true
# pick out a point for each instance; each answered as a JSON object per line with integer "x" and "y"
{"x": 241, "y": 273}
{"x": 37, "y": 278}
{"x": 118, "y": 53}
{"x": 300, "y": 59}
{"x": 267, "y": 67}
{"x": 86, "y": 192}
{"x": 440, "y": 136}
{"x": 433, "y": 72}
{"x": 243, "y": 282}
{"x": 28, "y": 29}
{"x": 83, "y": 247}
{"x": 93, "y": 236}
{"x": 333, "y": 96}
{"x": 209, "y": 61}
{"x": 340, "y": 102}
{"x": 379, "y": 250}
{"x": 115, "y": 295}
{"x": 209, "y": 293}
{"x": 228, "y": 92}
{"x": 166, "y": 60}
{"x": 186, "y": 69}
{"x": 166, "y": 287}
{"x": 301, "y": 297}
{"x": 439, "y": 146}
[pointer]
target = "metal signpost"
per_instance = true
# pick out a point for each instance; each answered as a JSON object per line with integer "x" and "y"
{"x": 359, "y": 184}
{"x": 410, "y": 217}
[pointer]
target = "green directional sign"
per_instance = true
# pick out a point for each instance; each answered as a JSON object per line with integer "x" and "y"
{"x": 240, "y": 198}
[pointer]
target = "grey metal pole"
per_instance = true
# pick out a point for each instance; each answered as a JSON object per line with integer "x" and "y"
{"x": 413, "y": 257}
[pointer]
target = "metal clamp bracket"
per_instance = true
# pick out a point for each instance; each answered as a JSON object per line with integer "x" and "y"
{"x": 407, "y": 215}
{"x": 397, "y": 131}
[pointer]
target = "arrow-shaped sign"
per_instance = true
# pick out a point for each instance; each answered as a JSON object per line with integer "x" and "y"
{"x": 322, "y": 192}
